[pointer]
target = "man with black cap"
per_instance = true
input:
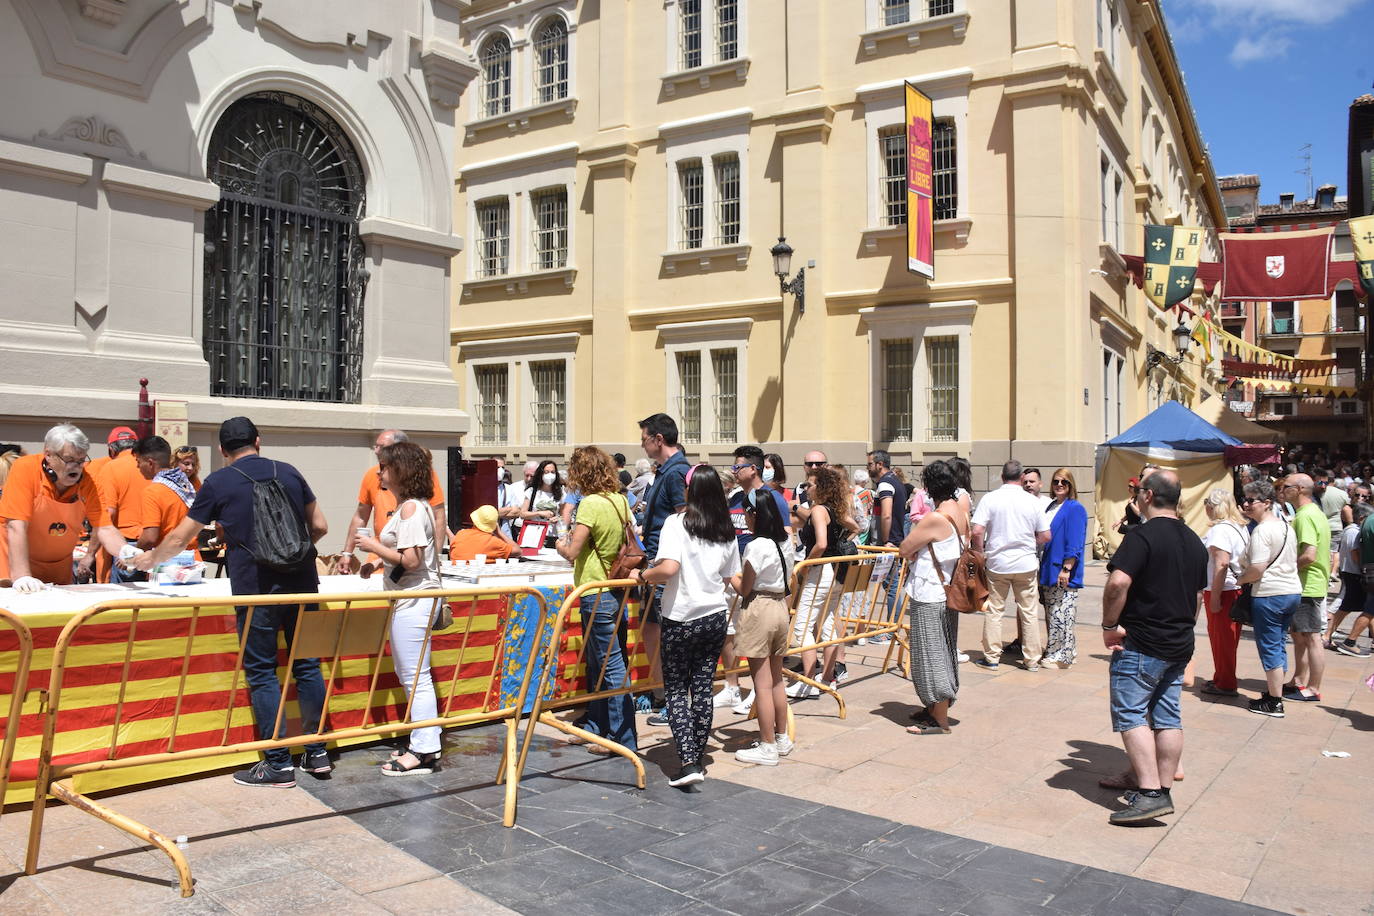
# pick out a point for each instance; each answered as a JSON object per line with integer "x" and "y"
{"x": 227, "y": 497}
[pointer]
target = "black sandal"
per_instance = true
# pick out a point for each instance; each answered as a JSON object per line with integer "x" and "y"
{"x": 425, "y": 764}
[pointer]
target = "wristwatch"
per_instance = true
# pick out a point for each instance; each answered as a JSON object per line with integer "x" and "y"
{"x": 1113, "y": 626}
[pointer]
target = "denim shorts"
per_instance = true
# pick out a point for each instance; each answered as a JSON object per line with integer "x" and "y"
{"x": 1308, "y": 617}
{"x": 1271, "y": 618}
{"x": 1145, "y": 691}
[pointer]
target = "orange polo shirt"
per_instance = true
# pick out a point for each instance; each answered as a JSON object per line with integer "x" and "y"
{"x": 383, "y": 502}
{"x": 95, "y": 464}
{"x": 163, "y": 509}
{"x": 25, "y": 488}
{"x": 469, "y": 542}
{"x": 121, "y": 489}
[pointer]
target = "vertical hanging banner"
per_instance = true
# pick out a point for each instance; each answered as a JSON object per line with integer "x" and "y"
{"x": 1171, "y": 254}
{"x": 920, "y": 185}
{"x": 1362, "y": 237}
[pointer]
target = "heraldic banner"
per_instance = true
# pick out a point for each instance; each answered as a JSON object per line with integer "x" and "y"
{"x": 1362, "y": 236}
{"x": 1276, "y": 265}
{"x": 1171, "y": 254}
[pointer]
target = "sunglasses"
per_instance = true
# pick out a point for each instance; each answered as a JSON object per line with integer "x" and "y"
{"x": 1059, "y": 482}
{"x": 814, "y": 464}
{"x": 1252, "y": 499}
{"x": 740, "y": 467}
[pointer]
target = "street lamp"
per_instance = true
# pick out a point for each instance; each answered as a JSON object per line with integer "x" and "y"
{"x": 782, "y": 266}
{"x": 1182, "y": 339}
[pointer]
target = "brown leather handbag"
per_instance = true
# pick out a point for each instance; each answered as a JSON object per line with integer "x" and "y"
{"x": 967, "y": 588}
{"x": 631, "y": 555}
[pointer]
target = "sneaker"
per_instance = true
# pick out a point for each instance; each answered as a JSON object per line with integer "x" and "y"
{"x": 317, "y": 762}
{"x": 802, "y": 691}
{"x": 784, "y": 745}
{"x": 1267, "y": 706}
{"x": 881, "y": 639}
{"x": 728, "y": 696}
{"x": 862, "y": 641}
{"x": 963, "y": 658}
{"x": 1351, "y": 648}
{"x": 657, "y": 720}
{"x": 1144, "y": 805}
{"x": 744, "y": 706}
{"x": 841, "y": 672}
{"x": 1212, "y": 690}
{"x": 265, "y": 776}
{"x": 687, "y": 776}
{"x": 1012, "y": 648}
{"x": 644, "y": 703}
{"x": 765, "y": 755}
{"x": 1031, "y": 666}
{"x": 984, "y": 663}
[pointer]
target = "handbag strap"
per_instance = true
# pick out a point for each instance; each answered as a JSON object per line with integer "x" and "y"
{"x": 934, "y": 561}
{"x": 786, "y": 584}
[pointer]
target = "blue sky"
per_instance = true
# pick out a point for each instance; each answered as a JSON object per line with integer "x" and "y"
{"x": 1267, "y": 76}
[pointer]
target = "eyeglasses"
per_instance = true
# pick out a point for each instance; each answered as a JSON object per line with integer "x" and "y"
{"x": 69, "y": 462}
{"x": 739, "y": 467}
{"x": 1252, "y": 499}
{"x": 814, "y": 464}
{"x": 1059, "y": 482}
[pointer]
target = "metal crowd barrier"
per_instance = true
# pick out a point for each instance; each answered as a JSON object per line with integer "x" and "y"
{"x": 18, "y": 689}
{"x": 346, "y": 631}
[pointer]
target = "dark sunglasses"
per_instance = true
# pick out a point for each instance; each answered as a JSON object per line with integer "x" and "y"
{"x": 187, "y": 449}
{"x": 1059, "y": 482}
{"x": 814, "y": 464}
{"x": 1252, "y": 499}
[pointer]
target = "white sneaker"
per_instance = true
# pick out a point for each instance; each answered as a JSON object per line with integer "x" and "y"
{"x": 963, "y": 657}
{"x": 765, "y": 755}
{"x": 728, "y": 696}
{"x": 783, "y": 744}
{"x": 802, "y": 691}
{"x": 743, "y": 707}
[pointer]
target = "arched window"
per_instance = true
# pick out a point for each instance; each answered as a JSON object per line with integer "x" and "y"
{"x": 284, "y": 267}
{"x": 496, "y": 76}
{"x": 551, "y": 61}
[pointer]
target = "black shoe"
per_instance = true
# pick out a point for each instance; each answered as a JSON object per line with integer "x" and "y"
{"x": 984, "y": 663}
{"x": 316, "y": 762}
{"x": 1267, "y": 706}
{"x": 1143, "y": 806}
{"x": 264, "y": 775}
{"x": 657, "y": 719}
{"x": 692, "y": 773}
{"x": 1012, "y": 648}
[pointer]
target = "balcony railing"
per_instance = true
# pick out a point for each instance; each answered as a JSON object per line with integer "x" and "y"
{"x": 1290, "y": 325}
{"x": 1233, "y": 310}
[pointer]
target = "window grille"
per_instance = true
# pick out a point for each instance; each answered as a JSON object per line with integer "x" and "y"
{"x": 725, "y": 370}
{"x": 551, "y": 61}
{"x": 691, "y": 208}
{"x": 493, "y": 237}
{"x": 892, "y": 184}
{"x": 1102, "y": 186}
{"x": 727, "y": 199}
{"x": 942, "y": 397}
{"x": 550, "y": 406}
{"x": 550, "y": 229}
{"x": 939, "y": 7}
{"x": 689, "y": 395}
{"x": 689, "y": 33}
{"x": 496, "y": 76}
{"x": 727, "y": 29}
{"x": 898, "y": 359}
{"x": 945, "y": 170}
{"x": 896, "y": 12}
{"x": 492, "y": 404}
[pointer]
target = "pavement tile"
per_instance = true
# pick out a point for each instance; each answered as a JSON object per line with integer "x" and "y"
{"x": 620, "y": 895}
{"x": 921, "y": 852}
{"x": 435, "y": 897}
{"x": 536, "y": 876}
{"x": 610, "y": 837}
{"x": 722, "y": 847}
{"x": 362, "y": 863}
{"x": 827, "y": 861}
{"x": 472, "y": 846}
{"x": 893, "y": 891}
{"x": 1020, "y": 874}
{"x": 767, "y": 888}
{"x": 846, "y": 830}
{"x": 1202, "y": 878}
{"x": 244, "y": 858}
{"x": 307, "y": 893}
{"x": 673, "y": 875}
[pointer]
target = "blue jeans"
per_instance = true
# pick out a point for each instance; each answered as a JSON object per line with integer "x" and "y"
{"x": 1270, "y": 618}
{"x": 893, "y": 584}
{"x": 264, "y": 690}
{"x": 1144, "y": 691}
{"x": 609, "y": 717}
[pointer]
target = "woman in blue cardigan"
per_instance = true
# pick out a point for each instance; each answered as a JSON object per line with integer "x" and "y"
{"x": 1061, "y": 569}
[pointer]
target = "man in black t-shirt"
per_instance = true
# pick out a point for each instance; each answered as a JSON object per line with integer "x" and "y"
{"x": 889, "y": 517}
{"x": 1149, "y": 609}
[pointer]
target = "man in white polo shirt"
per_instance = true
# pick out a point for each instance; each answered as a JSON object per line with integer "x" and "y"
{"x": 1007, "y": 526}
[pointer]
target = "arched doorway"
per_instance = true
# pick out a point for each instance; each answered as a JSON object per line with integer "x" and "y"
{"x": 284, "y": 267}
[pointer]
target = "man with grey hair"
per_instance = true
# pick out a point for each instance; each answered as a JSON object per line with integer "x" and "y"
{"x": 47, "y": 498}
{"x": 1007, "y": 526}
{"x": 376, "y": 503}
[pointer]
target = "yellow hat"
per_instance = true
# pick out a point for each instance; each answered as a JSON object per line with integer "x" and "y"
{"x": 485, "y": 517}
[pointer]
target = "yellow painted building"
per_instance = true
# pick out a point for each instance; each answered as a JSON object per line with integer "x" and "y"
{"x": 625, "y": 167}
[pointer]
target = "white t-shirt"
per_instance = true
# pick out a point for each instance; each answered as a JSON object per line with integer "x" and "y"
{"x": 1230, "y": 537}
{"x": 416, "y": 531}
{"x": 1276, "y": 540}
{"x": 698, "y": 589}
{"x": 1350, "y": 549}
{"x": 770, "y": 575}
{"x": 1012, "y": 517}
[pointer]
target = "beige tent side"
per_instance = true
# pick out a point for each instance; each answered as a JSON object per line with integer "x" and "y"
{"x": 1199, "y": 475}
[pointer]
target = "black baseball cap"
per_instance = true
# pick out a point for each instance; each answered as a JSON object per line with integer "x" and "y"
{"x": 236, "y": 433}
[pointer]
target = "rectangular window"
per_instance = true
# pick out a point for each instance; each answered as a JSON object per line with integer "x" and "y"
{"x": 896, "y": 12}
{"x": 689, "y": 34}
{"x": 725, "y": 371}
{"x": 691, "y": 207}
{"x": 898, "y": 360}
{"x": 550, "y": 229}
{"x": 727, "y": 199}
{"x": 550, "y": 407}
{"x": 727, "y": 29}
{"x": 892, "y": 177}
{"x": 945, "y": 170}
{"x": 939, "y": 7}
{"x": 689, "y": 395}
{"x": 493, "y": 237}
{"x": 942, "y": 397}
{"x": 492, "y": 405}
{"x": 1118, "y": 227}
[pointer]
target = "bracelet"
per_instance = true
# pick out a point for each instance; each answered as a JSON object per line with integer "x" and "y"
{"x": 1105, "y": 627}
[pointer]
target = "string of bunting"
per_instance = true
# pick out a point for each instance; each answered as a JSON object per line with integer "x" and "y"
{"x": 1300, "y": 388}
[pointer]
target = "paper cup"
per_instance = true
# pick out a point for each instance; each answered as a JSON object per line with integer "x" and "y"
{"x": 479, "y": 558}
{"x": 365, "y": 532}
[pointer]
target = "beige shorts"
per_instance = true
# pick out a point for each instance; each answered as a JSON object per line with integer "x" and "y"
{"x": 761, "y": 627}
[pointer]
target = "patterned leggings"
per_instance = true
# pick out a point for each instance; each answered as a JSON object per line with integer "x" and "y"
{"x": 1061, "y": 605}
{"x": 689, "y": 652}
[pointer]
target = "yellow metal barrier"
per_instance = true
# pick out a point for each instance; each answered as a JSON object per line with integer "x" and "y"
{"x": 342, "y": 629}
{"x": 18, "y": 689}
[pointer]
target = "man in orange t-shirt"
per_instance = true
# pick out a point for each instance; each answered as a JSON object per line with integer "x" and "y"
{"x": 482, "y": 538}
{"x": 377, "y": 504}
{"x": 46, "y": 499}
{"x": 166, "y": 499}
{"x": 121, "y": 484}
{"x": 120, "y": 439}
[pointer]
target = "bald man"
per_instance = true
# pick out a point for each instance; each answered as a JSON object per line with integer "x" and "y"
{"x": 1313, "y": 535}
{"x": 376, "y": 503}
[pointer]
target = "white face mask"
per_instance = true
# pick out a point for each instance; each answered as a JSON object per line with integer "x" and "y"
{"x": 767, "y": 475}
{"x": 549, "y": 479}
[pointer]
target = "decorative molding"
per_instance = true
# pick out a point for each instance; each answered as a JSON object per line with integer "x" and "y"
{"x": 1108, "y": 80}
{"x": 45, "y": 163}
{"x": 522, "y": 162}
{"x": 704, "y": 331}
{"x": 521, "y": 282}
{"x": 91, "y": 135}
{"x": 704, "y": 256}
{"x": 105, "y": 12}
{"x": 448, "y": 70}
{"x": 912, "y": 31}
{"x": 520, "y": 118}
{"x": 702, "y": 75}
{"x": 476, "y": 335}
{"x": 736, "y": 119}
{"x": 381, "y": 230}
{"x": 300, "y": 24}
{"x": 958, "y": 227}
{"x": 174, "y": 189}
{"x": 1112, "y": 261}
{"x": 940, "y": 79}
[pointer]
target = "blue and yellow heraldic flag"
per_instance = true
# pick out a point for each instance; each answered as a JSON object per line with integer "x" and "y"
{"x": 1362, "y": 236}
{"x": 1171, "y": 254}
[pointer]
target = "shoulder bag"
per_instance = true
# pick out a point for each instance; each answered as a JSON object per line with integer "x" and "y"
{"x": 631, "y": 555}
{"x": 1243, "y": 609}
{"x": 967, "y": 588}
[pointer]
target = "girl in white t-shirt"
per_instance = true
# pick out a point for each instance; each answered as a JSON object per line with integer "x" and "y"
{"x": 1227, "y": 541}
{"x": 697, "y": 556}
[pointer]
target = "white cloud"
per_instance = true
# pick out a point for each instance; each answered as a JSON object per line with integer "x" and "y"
{"x": 1248, "y": 50}
{"x": 1259, "y": 12}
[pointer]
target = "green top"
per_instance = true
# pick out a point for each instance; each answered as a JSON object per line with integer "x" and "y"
{"x": 1366, "y": 541}
{"x": 1310, "y": 528}
{"x": 604, "y": 515}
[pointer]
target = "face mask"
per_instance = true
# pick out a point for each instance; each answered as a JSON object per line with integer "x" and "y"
{"x": 767, "y": 475}
{"x": 549, "y": 479}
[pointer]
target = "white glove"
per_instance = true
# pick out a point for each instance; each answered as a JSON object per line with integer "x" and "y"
{"x": 28, "y": 585}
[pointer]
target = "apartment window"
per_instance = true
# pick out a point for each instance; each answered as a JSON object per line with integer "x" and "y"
{"x": 496, "y": 76}
{"x": 691, "y": 204}
{"x": 1106, "y": 28}
{"x": 899, "y": 357}
{"x": 689, "y": 34}
{"x": 727, "y": 199}
{"x": 945, "y": 170}
{"x": 939, "y": 7}
{"x": 1113, "y": 371}
{"x": 493, "y": 404}
{"x": 549, "y": 380}
{"x": 551, "y": 61}
{"x": 942, "y": 394}
{"x": 704, "y": 380}
{"x": 493, "y": 237}
{"x": 725, "y": 401}
{"x": 727, "y": 29}
{"x": 892, "y": 179}
{"x": 1284, "y": 408}
{"x": 689, "y": 395}
{"x": 1111, "y": 187}
{"x": 550, "y": 243}
{"x": 895, "y": 12}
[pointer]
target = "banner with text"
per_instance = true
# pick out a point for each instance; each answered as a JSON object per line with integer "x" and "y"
{"x": 920, "y": 185}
